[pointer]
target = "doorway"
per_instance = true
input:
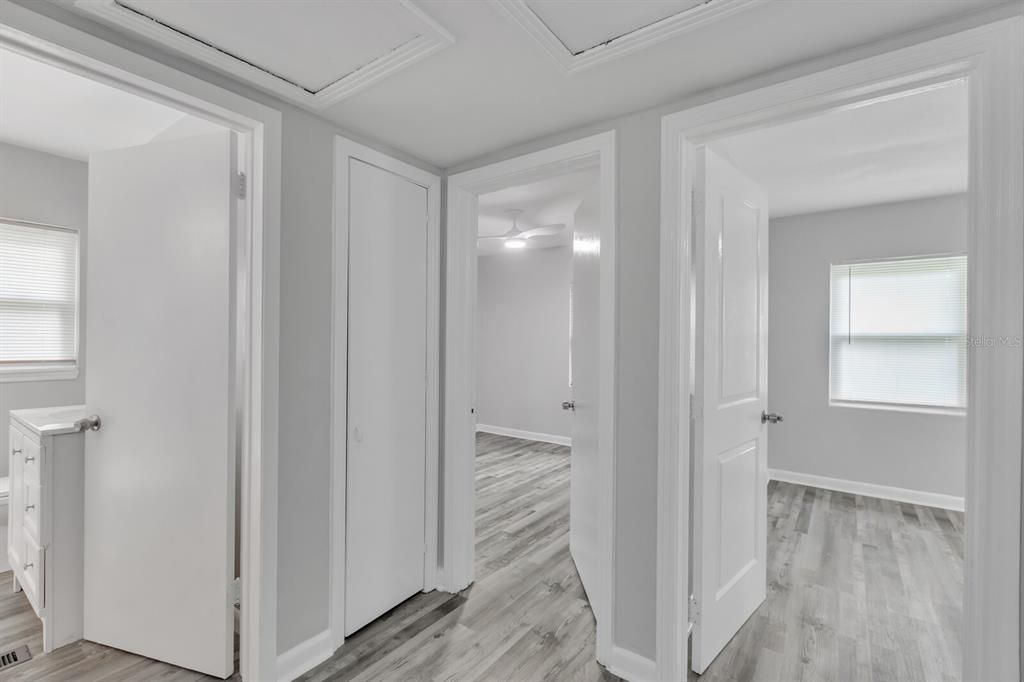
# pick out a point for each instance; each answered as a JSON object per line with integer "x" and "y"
{"x": 245, "y": 222}
{"x": 592, "y": 258}
{"x": 994, "y": 379}
{"x": 855, "y": 441}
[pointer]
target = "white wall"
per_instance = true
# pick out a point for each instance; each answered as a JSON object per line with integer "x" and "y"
{"x": 924, "y": 452}
{"x": 523, "y": 340}
{"x": 43, "y": 188}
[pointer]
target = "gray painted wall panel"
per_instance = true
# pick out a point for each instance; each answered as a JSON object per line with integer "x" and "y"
{"x": 44, "y": 188}
{"x": 523, "y": 340}
{"x": 903, "y": 449}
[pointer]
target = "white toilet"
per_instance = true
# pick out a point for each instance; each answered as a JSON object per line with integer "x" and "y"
{"x": 5, "y": 489}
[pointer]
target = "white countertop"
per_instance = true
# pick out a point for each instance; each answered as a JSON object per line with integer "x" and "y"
{"x": 50, "y": 421}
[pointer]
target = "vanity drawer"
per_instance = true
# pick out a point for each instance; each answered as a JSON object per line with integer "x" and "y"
{"x": 31, "y": 573}
{"x": 32, "y": 504}
{"x": 33, "y": 462}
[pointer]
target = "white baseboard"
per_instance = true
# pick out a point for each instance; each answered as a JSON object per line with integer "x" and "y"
{"x": 885, "y": 492}
{"x": 526, "y": 435}
{"x": 305, "y": 656}
{"x": 630, "y": 666}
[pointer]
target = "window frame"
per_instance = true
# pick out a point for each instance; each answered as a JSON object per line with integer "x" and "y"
{"x": 894, "y": 406}
{"x": 19, "y": 372}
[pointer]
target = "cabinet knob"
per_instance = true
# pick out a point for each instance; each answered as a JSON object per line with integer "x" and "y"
{"x": 29, "y": 459}
{"x": 29, "y": 507}
{"x": 28, "y": 566}
{"x": 15, "y": 451}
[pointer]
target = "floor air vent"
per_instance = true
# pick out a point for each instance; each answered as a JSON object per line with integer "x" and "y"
{"x": 13, "y": 657}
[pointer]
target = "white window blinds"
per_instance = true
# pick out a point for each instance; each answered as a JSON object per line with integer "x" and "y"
{"x": 898, "y": 332}
{"x": 38, "y": 296}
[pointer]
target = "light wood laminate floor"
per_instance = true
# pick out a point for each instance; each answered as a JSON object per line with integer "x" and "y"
{"x": 858, "y": 589}
{"x": 525, "y": 617}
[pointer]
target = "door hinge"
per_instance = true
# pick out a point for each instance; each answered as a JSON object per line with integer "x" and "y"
{"x": 694, "y": 614}
{"x": 236, "y": 591}
{"x": 241, "y": 186}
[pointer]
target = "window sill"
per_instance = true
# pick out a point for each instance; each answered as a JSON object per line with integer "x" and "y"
{"x": 894, "y": 407}
{"x": 13, "y": 375}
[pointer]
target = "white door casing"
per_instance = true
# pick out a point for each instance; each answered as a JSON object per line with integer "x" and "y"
{"x": 730, "y": 491}
{"x": 387, "y": 392}
{"x": 585, "y": 481}
{"x": 159, "y": 475}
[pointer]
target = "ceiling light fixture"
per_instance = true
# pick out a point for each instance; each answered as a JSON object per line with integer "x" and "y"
{"x": 515, "y": 243}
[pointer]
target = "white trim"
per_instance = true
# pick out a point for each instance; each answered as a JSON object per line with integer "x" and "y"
{"x": 525, "y": 435}
{"x": 992, "y": 57}
{"x": 639, "y": 39}
{"x": 13, "y": 374}
{"x": 304, "y": 656}
{"x": 460, "y": 352}
{"x": 432, "y": 38}
{"x": 345, "y": 149}
{"x": 883, "y": 492}
{"x": 259, "y": 130}
{"x": 631, "y": 666}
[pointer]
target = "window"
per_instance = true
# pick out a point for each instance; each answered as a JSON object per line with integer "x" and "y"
{"x": 38, "y": 301}
{"x": 898, "y": 333}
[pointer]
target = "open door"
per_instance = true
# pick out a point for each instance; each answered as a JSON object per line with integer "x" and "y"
{"x": 730, "y": 476}
{"x": 159, "y": 474}
{"x": 585, "y": 474}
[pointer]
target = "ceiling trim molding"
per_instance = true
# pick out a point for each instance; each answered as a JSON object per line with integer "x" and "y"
{"x": 432, "y": 38}
{"x": 628, "y": 43}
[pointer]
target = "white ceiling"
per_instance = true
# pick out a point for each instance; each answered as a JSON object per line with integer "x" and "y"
{"x": 496, "y": 86}
{"x": 546, "y": 202}
{"x": 311, "y": 43}
{"x": 583, "y": 25}
{"x": 900, "y": 149}
{"x": 58, "y": 112}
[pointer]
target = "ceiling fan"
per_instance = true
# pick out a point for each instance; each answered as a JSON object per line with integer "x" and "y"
{"x": 517, "y": 238}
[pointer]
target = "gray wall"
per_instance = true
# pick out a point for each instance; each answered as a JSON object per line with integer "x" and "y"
{"x": 523, "y": 340}
{"x": 918, "y": 451}
{"x": 43, "y": 188}
{"x": 304, "y": 399}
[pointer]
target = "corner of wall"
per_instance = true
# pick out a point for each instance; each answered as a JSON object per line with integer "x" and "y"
{"x": 631, "y": 666}
{"x": 305, "y": 656}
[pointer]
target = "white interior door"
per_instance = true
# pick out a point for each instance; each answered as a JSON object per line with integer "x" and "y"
{"x": 730, "y": 491}
{"x": 584, "y": 498}
{"x": 387, "y": 400}
{"x": 159, "y": 475}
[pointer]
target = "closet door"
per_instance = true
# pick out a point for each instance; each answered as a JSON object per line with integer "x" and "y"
{"x": 387, "y": 399}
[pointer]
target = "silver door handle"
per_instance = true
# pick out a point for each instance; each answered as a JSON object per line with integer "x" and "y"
{"x": 90, "y": 423}
{"x": 770, "y": 417}
{"x": 569, "y": 405}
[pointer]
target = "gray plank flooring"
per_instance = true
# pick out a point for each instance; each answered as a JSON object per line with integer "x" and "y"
{"x": 525, "y": 617}
{"x": 858, "y": 589}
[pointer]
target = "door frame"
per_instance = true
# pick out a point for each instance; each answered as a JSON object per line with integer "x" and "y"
{"x": 259, "y": 132}
{"x": 989, "y": 51}
{"x": 345, "y": 150}
{"x": 460, "y": 371}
